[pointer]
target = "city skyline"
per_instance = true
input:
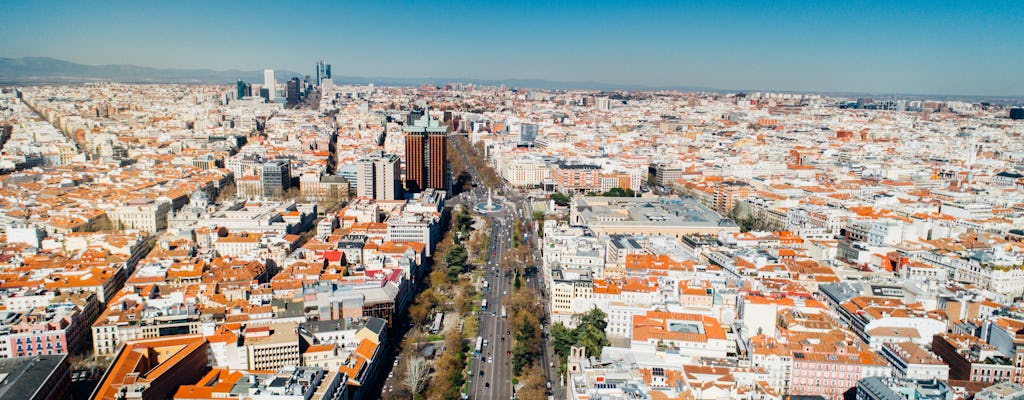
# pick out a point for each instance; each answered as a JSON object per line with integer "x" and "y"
{"x": 647, "y": 200}
{"x": 867, "y": 47}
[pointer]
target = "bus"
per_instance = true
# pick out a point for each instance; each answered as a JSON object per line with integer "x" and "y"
{"x": 503, "y": 315}
{"x": 479, "y": 344}
{"x": 483, "y": 305}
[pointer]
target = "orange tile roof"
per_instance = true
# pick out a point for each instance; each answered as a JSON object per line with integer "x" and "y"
{"x": 654, "y": 325}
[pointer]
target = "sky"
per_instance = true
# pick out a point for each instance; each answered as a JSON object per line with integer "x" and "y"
{"x": 915, "y": 47}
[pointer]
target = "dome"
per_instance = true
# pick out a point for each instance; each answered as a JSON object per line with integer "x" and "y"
{"x": 199, "y": 199}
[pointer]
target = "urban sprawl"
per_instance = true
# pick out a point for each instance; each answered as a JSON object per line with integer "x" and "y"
{"x": 313, "y": 240}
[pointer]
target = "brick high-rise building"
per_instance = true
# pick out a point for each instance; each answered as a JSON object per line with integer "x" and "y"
{"x": 437, "y": 170}
{"x": 415, "y": 168}
{"x": 426, "y": 155}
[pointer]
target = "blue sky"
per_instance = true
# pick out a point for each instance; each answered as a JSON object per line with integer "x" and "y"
{"x": 926, "y": 46}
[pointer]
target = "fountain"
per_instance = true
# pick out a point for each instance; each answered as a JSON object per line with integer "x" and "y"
{"x": 489, "y": 206}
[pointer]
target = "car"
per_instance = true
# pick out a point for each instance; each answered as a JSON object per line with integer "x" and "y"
{"x": 483, "y": 358}
{"x": 391, "y": 374}
{"x": 487, "y": 384}
{"x": 481, "y": 372}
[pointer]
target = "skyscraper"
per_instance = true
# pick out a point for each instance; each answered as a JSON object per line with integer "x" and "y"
{"x": 377, "y": 176}
{"x": 426, "y": 154}
{"x": 316, "y": 76}
{"x": 269, "y": 83}
{"x": 323, "y": 71}
{"x": 241, "y": 89}
{"x": 293, "y": 91}
{"x": 415, "y": 168}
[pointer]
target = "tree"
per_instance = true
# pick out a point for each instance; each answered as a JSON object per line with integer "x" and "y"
{"x": 619, "y": 192}
{"x": 562, "y": 339}
{"x": 523, "y": 316}
{"x": 472, "y": 326}
{"x": 538, "y": 215}
{"x": 455, "y": 258}
{"x": 533, "y": 383}
{"x": 448, "y": 377}
{"x": 417, "y": 370}
{"x": 461, "y": 302}
{"x": 595, "y": 317}
{"x": 439, "y": 280}
{"x": 592, "y": 338}
{"x": 419, "y": 310}
{"x": 524, "y": 300}
{"x": 589, "y": 333}
{"x": 226, "y": 192}
{"x": 521, "y": 357}
{"x": 746, "y": 219}
{"x": 463, "y": 221}
{"x": 517, "y": 233}
{"x": 560, "y": 199}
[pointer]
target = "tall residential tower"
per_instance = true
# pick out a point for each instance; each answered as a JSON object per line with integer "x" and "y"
{"x": 377, "y": 176}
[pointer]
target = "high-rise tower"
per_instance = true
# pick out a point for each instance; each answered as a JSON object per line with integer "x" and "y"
{"x": 293, "y": 86}
{"x": 426, "y": 155}
{"x": 269, "y": 83}
{"x": 377, "y": 176}
{"x": 323, "y": 71}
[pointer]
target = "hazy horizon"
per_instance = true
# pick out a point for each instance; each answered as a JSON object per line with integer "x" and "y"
{"x": 897, "y": 47}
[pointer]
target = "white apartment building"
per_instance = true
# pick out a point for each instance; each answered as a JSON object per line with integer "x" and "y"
{"x": 571, "y": 294}
{"x": 524, "y": 171}
{"x": 145, "y": 215}
{"x": 237, "y": 245}
{"x": 377, "y": 176}
{"x": 412, "y": 228}
{"x": 911, "y": 361}
{"x": 152, "y": 318}
{"x": 991, "y": 269}
{"x": 620, "y": 317}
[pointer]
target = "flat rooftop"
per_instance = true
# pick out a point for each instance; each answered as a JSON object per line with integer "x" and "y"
{"x": 21, "y": 377}
{"x": 662, "y": 211}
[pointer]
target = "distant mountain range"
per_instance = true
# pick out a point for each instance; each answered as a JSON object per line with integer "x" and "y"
{"x": 29, "y": 70}
{"x": 35, "y": 70}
